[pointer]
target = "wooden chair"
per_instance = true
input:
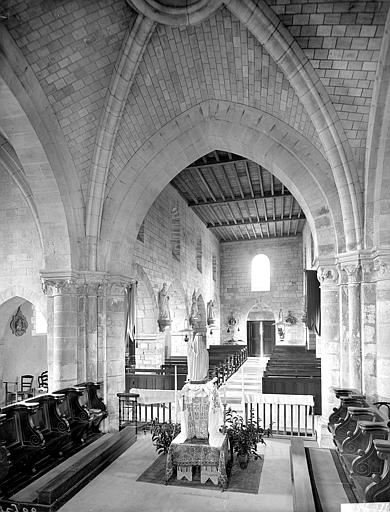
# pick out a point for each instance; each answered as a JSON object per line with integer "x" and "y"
{"x": 11, "y": 389}
{"x": 26, "y": 389}
{"x": 43, "y": 381}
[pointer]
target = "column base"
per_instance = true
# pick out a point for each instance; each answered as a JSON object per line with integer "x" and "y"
{"x": 324, "y": 437}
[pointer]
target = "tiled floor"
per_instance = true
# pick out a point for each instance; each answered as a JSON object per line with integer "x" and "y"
{"x": 117, "y": 490}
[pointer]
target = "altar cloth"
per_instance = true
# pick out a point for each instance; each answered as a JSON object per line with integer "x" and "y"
{"x": 194, "y": 452}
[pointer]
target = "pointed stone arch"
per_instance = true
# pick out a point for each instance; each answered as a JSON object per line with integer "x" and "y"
{"x": 42, "y": 150}
{"x": 230, "y": 127}
{"x": 377, "y": 181}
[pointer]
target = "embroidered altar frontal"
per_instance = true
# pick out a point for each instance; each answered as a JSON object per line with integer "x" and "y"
{"x": 195, "y": 452}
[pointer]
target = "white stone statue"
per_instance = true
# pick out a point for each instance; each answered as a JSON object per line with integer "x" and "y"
{"x": 210, "y": 313}
{"x": 197, "y": 358}
{"x": 163, "y": 303}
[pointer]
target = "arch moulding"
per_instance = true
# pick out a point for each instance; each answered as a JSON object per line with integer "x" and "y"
{"x": 230, "y": 127}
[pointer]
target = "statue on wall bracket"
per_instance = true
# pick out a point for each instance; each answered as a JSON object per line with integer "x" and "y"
{"x": 164, "y": 315}
{"x": 210, "y": 314}
{"x": 18, "y": 323}
{"x": 194, "y": 315}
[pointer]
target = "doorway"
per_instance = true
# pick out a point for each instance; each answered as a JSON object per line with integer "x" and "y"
{"x": 261, "y": 337}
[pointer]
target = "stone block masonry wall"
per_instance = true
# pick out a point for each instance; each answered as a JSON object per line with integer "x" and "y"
{"x": 150, "y": 352}
{"x": 154, "y": 256}
{"x": 20, "y": 261}
{"x": 286, "y": 291}
{"x": 20, "y": 248}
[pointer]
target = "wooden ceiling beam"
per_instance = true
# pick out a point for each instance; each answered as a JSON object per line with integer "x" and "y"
{"x": 218, "y": 164}
{"x": 218, "y": 185}
{"x": 227, "y": 181}
{"x": 239, "y": 182}
{"x": 206, "y": 185}
{"x": 261, "y": 181}
{"x": 236, "y": 199}
{"x": 246, "y": 222}
{"x": 188, "y": 188}
{"x": 270, "y": 237}
{"x": 249, "y": 179}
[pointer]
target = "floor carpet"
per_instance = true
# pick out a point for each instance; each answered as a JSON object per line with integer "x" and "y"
{"x": 239, "y": 480}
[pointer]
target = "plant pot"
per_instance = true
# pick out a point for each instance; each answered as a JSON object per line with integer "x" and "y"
{"x": 243, "y": 460}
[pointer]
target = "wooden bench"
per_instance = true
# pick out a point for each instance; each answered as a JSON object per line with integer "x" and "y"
{"x": 22, "y": 443}
{"x": 361, "y": 435}
{"x": 303, "y": 500}
{"x": 53, "y": 489}
{"x": 95, "y": 405}
{"x": 48, "y": 420}
{"x": 78, "y": 416}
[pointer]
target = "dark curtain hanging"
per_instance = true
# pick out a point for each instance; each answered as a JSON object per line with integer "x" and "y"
{"x": 131, "y": 300}
{"x": 313, "y": 302}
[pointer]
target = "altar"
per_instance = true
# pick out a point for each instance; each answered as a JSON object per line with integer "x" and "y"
{"x": 212, "y": 459}
{"x": 200, "y": 443}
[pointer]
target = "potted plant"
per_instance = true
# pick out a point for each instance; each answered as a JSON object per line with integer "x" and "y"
{"x": 243, "y": 437}
{"x": 163, "y": 435}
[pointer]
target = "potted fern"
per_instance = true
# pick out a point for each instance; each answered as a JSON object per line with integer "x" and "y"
{"x": 163, "y": 435}
{"x": 243, "y": 437}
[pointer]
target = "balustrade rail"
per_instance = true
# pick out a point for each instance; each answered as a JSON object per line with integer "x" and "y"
{"x": 283, "y": 415}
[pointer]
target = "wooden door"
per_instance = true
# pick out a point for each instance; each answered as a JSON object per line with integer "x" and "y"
{"x": 254, "y": 338}
{"x": 268, "y": 329}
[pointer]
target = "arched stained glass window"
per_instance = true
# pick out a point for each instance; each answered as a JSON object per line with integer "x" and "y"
{"x": 260, "y": 274}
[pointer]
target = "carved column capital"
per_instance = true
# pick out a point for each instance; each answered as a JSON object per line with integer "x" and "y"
{"x": 60, "y": 287}
{"x": 382, "y": 268}
{"x": 328, "y": 275}
{"x": 115, "y": 284}
{"x": 368, "y": 270}
{"x": 353, "y": 272}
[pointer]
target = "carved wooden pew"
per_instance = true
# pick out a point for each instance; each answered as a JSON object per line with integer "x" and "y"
{"x": 341, "y": 411}
{"x": 5, "y": 463}
{"x": 93, "y": 403}
{"x": 51, "y": 423}
{"x": 78, "y": 416}
{"x": 338, "y": 417}
{"x": 22, "y": 443}
{"x": 354, "y": 440}
{"x": 361, "y": 435}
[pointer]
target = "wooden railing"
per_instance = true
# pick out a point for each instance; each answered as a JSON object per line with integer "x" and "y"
{"x": 222, "y": 366}
{"x": 128, "y": 410}
{"x": 294, "y": 417}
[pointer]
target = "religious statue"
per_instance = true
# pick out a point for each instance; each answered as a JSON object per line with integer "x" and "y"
{"x": 197, "y": 359}
{"x": 164, "y": 317}
{"x": 210, "y": 313}
{"x": 194, "y": 316}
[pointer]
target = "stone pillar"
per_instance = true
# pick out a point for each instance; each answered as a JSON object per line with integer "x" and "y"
{"x": 113, "y": 345}
{"x": 369, "y": 353}
{"x": 93, "y": 306}
{"x": 354, "y": 335}
{"x": 344, "y": 345}
{"x": 382, "y": 265}
{"x": 330, "y": 337}
{"x": 62, "y": 331}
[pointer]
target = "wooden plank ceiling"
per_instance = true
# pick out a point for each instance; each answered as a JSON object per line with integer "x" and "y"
{"x": 238, "y": 199}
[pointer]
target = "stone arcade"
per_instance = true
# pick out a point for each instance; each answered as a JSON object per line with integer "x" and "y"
{"x": 163, "y": 146}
